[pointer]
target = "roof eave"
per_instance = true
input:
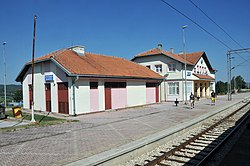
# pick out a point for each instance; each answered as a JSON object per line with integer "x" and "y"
{"x": 20, "y": 75}
{"x": 116, "y": 77}
{"x": 60, "y": 66}
{"x": 188, "y": 63}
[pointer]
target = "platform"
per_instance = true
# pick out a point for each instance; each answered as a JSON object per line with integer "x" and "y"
{"x": 101, "y": 135}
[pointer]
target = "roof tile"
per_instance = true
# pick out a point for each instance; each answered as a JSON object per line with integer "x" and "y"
{"x": 99, "y": 65}
{"x": 192, "y": 58}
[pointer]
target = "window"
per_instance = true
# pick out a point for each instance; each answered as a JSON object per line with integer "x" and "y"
{"x": 148, "y": 66}
{"x": 93, "y": 85}
{"x": 194, "y": 70}
{"x": 173, "y": 88}
{"x": 171, "y": 67}
{"x": 115, "y": 84}
{"x": 151, "y": 84}
{"x": 158, "y": 68}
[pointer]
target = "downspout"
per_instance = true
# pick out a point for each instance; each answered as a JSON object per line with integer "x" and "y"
{"x": 74, "y": 95}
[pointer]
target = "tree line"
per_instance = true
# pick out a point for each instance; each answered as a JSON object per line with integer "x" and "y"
{"x": 237, "y": 84}
{"x": 13, "y": 93}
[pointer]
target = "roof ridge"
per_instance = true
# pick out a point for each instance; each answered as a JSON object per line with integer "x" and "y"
{"x": 147, "y": 51}
{"x": 103, "y": 55}
{"x": 56, "y": 53}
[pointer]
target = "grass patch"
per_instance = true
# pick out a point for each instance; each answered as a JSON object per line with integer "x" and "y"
{"x": 41, "y": 120}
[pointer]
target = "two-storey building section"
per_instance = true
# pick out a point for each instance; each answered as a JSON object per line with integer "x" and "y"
{"x": 199, "y": 79}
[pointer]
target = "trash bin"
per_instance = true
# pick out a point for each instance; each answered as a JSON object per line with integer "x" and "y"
{"x": 17, "y": 113}
{"x": 2, "y": 112}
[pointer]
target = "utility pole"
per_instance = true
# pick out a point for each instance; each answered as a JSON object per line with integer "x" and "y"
{"x": 4, "y": 62}
{"x": 229, "y": 68}
{"x": 32, "y": 83}
{"x": 185, "y": 56}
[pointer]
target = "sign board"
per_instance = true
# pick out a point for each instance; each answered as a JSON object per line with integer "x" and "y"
{"x": 188, "y": 73}
{"x": 49, "y": 78}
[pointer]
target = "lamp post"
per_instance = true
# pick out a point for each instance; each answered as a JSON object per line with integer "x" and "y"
{"x": 185, "y": 66}
{"x": 4, "y": 63}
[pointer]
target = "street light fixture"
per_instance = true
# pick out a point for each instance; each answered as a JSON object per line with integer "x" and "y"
{"x": 4, "y": 63}
{"x": 184, "y": 51}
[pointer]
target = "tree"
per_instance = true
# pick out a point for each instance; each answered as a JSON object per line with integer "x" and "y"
{"x": 238, "y": 83}
{"x": 221, "y": 87}
{"x": 18, "y": 95}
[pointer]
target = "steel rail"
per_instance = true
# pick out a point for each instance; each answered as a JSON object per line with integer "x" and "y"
{"x": 223, "y": 142}
{"x": 165, "y": 155}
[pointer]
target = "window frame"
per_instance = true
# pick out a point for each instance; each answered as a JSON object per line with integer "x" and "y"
{"x": 93, "y": 85}
{"x": 172, "y": 67}
{"x": 115, "y": 84}
{"x": 173, "y": 88}
{"x": 158, "y": 68}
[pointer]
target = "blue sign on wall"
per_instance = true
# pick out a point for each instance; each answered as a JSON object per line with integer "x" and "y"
{"x": 49, "y": 78}
{"x": 188, "y": 73}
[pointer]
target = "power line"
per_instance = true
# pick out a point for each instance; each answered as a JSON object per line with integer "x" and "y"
{"x": 215, "y": 23}
{"x": 220, "y": 41}
{"x": 219, "y": 28}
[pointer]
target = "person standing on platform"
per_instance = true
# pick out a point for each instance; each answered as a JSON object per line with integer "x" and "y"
{"x": 212, "y": 98}
{"x": 191, "y": 100}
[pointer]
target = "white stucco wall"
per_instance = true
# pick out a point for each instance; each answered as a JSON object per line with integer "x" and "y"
{"x": 152, "y": 61}
{"x": 82, "y": 92}
{"x": 201, "y": 63}
{"x": 136, "y": 90}
{"x": 101, "y": 95}
{"x": 25, "y": 87}
{"x": 136, "y": 93}
{"x": 39, "y": 89}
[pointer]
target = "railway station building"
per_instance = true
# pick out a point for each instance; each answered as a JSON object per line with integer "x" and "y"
{"x": 200, "y": 76}
{"x": 72, "y": 81}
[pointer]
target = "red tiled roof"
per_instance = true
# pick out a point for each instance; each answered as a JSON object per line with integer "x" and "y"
{"x": 192, "y": 58}
{"x": 99, "y": 65}
{"x": 157, "y": 51}
{"x": 207, "y": 77}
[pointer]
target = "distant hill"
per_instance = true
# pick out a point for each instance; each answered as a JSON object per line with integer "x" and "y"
{"x": 10, "y": 89}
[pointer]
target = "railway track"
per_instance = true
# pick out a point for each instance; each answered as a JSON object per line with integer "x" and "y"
{"x": 198, "y": 148}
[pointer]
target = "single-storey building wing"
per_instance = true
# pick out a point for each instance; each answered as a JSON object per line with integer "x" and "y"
{"x": 198, "y": 78}
{"x": 72, "y": 81}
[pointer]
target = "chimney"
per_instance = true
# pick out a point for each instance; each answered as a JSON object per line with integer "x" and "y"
{"x": 160, "y": 46}
{"x": 78, "y": 49}
{"x": 172, "y": 50}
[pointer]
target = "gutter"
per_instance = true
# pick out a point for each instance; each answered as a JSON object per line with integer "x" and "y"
{"x": 100, "y": 76}
{"x": 74, "y": 95}
{"x": 117, "y": 77}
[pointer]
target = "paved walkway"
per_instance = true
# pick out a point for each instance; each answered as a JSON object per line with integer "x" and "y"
{"x": 11, "y": 123}
{"x": 95, "y": 133}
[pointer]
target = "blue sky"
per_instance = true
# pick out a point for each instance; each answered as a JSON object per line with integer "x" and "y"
{"x": 122, "y": 28}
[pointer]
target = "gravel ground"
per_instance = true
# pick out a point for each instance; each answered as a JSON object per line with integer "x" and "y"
{"x": 181, "y": 138}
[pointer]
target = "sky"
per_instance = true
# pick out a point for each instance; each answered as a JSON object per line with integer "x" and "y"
{"x": 124, "y": 28}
